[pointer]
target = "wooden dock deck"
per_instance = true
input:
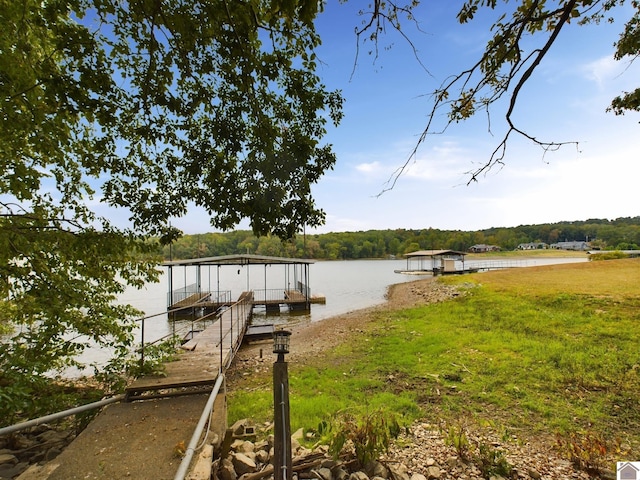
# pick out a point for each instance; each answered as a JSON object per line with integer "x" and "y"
{"x": 203, "y": 357}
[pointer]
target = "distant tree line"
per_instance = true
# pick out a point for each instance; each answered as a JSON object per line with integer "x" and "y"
{"x": 621, "y": 233}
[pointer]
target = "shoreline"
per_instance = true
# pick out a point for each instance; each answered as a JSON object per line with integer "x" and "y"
{"x": 311, "y": 338}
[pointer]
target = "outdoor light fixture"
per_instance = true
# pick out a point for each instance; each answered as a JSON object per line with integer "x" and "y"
{"x": 281, "y": 341}
{"x": 282, "y": 463}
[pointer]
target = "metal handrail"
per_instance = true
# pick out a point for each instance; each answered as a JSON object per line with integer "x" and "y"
{"x": 59, "y": 415}
{"x": 191, "y": 448}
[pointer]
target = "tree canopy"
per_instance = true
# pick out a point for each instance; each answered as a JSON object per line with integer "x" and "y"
{"x": 156, "y": 106}
{"x": 604, "y": 234}
{"x": 152, "y": 107}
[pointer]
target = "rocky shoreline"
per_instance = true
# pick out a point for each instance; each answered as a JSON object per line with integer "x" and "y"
{"x": 420, "y": 454}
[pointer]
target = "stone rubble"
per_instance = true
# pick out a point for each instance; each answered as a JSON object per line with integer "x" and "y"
{"x": 419, "y": 454}
{"x": 40, "y": 445}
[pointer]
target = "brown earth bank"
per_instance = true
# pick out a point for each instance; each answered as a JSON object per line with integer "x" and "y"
{"x": 422, "y": 452}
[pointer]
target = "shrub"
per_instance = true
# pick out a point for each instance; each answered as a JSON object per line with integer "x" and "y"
{"x": 370, "y": 434}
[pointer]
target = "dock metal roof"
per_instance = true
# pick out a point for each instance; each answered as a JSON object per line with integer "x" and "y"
{"x": 433, "y": 253}
{"x": 238, "y": 260}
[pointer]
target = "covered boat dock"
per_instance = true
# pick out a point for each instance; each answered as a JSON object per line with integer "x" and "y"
{"x": 435, "y": 262}
{"x": 294, "y": 291}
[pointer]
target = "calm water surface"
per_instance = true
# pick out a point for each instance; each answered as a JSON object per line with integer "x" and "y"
{"x": 346, "y": 285}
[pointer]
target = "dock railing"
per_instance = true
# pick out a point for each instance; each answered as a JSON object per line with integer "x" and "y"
{"x": 279, "y": 295}
{"x": 269, "y": 295}
{"x": 236, "y": 318}
{"x": 191, "y": 294}
{"x": 304, "y": 289}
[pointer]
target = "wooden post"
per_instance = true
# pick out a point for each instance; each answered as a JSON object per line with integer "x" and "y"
{"x": 282, "y": 427}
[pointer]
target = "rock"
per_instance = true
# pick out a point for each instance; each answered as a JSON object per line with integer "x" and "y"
{"x": 38, "y": 472}
{"x": 322, "y": 449}
{"x": 378, "y": 470}
{"x": 329, "y": 463}
{"x": 534, "y": 474}
{"x": 301, "y": 451}
{"x": 8, "y": 459}
{"x": 243, "y": 428}
{"x": 418, "y": 476}
{"x": 433, "y": 472}
{"x": 52, "y": 436}
{"x": 339, "y": 473}
{"x": 12, "y": 470}
{"x": 295, "y": 445}
{"x": 262, "y": 456}
{"x": 358, "y": 476}
{"x": 245, "y": 447}
{"x": 52, "y": 453}
{"x": 399, "y": 472}
{"x": 298, "y": 435}
{"x": 323, "y": 474}
{"x": 235, "y": 445}
{"x": 202, "y": 468}
{"x": 243, "y": 464}
{"x": 263, "y": 445}
{"x": 226, "y": 470}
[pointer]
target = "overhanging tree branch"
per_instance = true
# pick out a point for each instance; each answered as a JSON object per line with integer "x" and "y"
{"x": 493, "y": 75}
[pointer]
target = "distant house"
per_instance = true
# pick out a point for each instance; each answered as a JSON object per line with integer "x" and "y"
{"x": 482, "y": 248}
{"x": 532, "y": 246}
{"x": 575, "y": 245}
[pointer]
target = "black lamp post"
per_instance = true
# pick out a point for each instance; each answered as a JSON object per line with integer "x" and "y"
{"x": 282, "y": 426}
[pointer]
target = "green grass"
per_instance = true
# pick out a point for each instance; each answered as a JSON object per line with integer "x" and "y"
{"x": 540, "y": 350}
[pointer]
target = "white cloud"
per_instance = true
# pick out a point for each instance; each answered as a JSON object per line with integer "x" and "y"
{"x": 602, "y": 71}
{"x": 372, "y": 168}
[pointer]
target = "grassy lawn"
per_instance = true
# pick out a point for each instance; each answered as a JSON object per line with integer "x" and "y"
{"x": 539, "y": 350}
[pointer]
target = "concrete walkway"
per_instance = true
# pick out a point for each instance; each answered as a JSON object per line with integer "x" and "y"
{"x": 139, "y": 440}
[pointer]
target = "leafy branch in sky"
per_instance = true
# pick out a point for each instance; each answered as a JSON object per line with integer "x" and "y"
{"x": 153, "y": 107}
{"x": 524, "y": 33}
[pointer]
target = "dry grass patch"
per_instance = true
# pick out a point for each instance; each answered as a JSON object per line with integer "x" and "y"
{"x": 616, "y": 279}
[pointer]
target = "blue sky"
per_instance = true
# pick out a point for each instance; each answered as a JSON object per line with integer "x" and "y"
{"x": 386, "y": 108}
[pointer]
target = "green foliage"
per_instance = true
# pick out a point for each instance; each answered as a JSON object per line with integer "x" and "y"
{"x": 457, "y": 438}
{"x": 114, "y": 376}
{"x": 26, "y": 397}
{"x": 491, "y": 461}
{"x": 608, "y": 255}
{"x": 587, "y": 451}
{"x": 151, "y": 107}
{"x": 369, "y": 434}
{"x": 383, "y": 243}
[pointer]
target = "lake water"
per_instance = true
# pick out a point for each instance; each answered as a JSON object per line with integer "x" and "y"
{"x": 346, "y": 285}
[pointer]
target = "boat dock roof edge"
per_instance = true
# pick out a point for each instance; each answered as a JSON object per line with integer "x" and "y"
{"x": 245, "y": 259}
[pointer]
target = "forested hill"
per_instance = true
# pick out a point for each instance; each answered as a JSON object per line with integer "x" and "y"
{"x": 621, "y": 233}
